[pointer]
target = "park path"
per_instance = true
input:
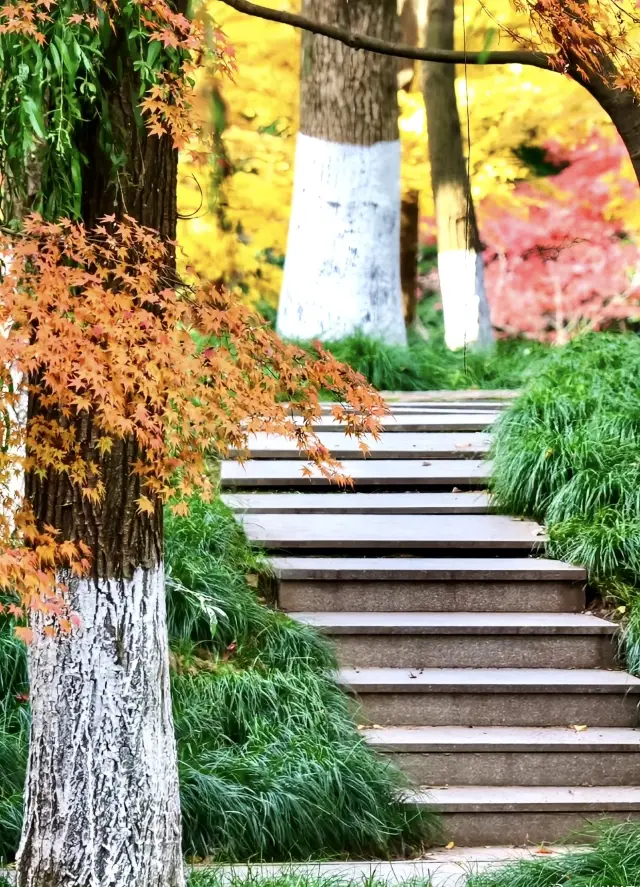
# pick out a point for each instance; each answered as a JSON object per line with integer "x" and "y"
{"x": 470, "y": 655}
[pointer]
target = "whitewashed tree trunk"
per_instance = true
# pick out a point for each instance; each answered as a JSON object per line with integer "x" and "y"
{"x": 464, "y": 301}
{"x": 342, "y": 268}
{"x": 342, "y": 271}
{"x": 467, "y": 321}
{"x": 102, "y": 802}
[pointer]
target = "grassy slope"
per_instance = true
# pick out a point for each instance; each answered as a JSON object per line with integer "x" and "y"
{"x": 271, "y": 765}
{"x": 614, "y": 860}
{"x": 568, "y": 454}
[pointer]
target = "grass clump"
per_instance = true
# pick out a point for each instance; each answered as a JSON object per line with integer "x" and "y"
{"x": 425, "y": 365}
{"x": 212, "y": 877}
{"x": 271, "y": 764}
{"x": 567, "y": 453}
{"x": 14, "y": 735}
{"x": 613, "y": 860}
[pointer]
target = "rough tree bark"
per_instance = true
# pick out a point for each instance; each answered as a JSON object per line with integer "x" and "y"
{"x": 102, "y": 798}
{"x": 412, "y": 15}
{"x": 460, "y": 267}
{"x": 342, "y": 270}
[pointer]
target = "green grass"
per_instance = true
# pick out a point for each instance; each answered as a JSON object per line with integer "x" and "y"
{"x": 613, "y": 860}
{"x": 211, "y": 877}
{"x": 567, "y": 453}
{"x": 424, "y": 366}
{"x": 271, "y": 763}
{"x": 429, "y": 365}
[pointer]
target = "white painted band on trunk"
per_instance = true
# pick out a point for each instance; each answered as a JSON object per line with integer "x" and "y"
{"x": 342, "y": 270}
{"x": 12, "y": 480}
{"x": 464, "y": 303}
{"x": 102, "y": 806}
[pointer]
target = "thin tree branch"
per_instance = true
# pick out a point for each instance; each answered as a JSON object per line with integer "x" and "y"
{"x": 399, "y": 50}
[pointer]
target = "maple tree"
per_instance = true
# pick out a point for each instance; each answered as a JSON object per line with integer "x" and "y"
{"x": 132, "y": 379}
{"x": 561, "y": 261}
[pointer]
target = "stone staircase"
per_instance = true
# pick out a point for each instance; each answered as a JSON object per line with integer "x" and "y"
{"x": 473, "y": 663}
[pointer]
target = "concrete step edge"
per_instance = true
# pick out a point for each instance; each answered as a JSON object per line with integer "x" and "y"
{"x": 538, "y": 799}
{"x": 488, "y": 680}
{"x": 496, "y": 740}
{"x": 454, "y": 623}
{"x": 425, "y": 569}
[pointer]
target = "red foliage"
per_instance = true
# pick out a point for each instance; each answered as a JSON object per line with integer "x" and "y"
{"x": 562, "y": 263}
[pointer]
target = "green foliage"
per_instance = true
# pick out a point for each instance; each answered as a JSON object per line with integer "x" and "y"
{"x": 614, "y": 859}
{"x": 58, "y": 72}
{"x": 14, "y": 732}
{"x": 567, "y": 453}
{"x": 271, "y": 764}
{"x": 212, "y": 877}
{"x": 429, "y": 365}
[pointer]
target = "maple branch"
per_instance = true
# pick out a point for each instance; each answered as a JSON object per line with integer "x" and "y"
{"x": 384, "y": 47}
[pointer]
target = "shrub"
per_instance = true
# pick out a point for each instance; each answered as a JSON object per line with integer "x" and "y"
{"x": 271, "y": 763}
{"x": 567, "y": 453}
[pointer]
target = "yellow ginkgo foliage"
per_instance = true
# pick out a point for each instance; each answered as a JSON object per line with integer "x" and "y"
{"x": 236, "y": 232}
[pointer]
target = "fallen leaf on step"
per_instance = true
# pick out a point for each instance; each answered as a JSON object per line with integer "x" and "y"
{"x": 425, "y": 464}
{"x": 579, "y": 728}
{"x": 544, "y": 850}
{"x": 621, "y": 609}
{"x": 450, "y": 845}
{"x": 361, "y": 727}
{"x": 376, "y": 727}
{"x": 463, "y": 446}
{"x": 456, "y": 490}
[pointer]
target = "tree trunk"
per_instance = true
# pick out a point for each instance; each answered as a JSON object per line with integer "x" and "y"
{"x": 460, "y": 267}
{"x": 102, "y": 800}
{"x": 342, "y": 270}
{"x": 412, "y": 15}
{"x": 622, "y": 105}
{"x": 409, "y": 228}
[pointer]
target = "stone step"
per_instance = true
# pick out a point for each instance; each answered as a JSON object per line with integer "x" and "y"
{"x": 436, "y": 584}
{"x": 470, "y": 502}
{"x": 464, "y": 396}
{"x": 439, "y": 867}
{"x": 428, "y": 421}
{"x": 403, "y": 532}
{"x": 401, "y": 445}
{"x": 442, "y": 569}
{"x": 410, "y": 473}
{"x": 525, "y": 814}
{"x": 494, "y": 697}
{"x": 541, "y": 756}
{"x": 467, "y": 640}
{"x": 424, "y": 407}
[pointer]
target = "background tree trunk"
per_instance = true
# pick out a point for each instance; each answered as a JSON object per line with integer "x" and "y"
{"x": 102, "y": 800}
{"x": 412, "y": 15}
{"x": 460, "y": 267}
{"x": 409, "y": 230}
{"x": 342, "y": 270}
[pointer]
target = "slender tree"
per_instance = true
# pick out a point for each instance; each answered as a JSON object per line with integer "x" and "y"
{"x": 342, "y": 268}
{"x": 123, "y": 405}
{"x": 467, "y": 320}
{"x": 412, "y": 16}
